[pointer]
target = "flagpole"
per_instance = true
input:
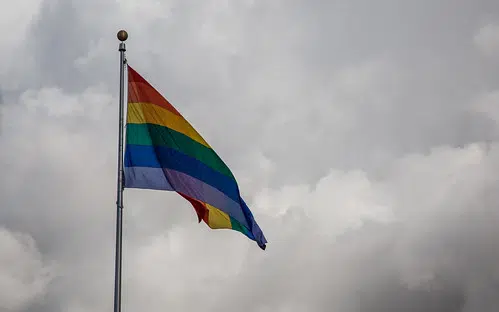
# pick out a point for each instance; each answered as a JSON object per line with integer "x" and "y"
{"x": 122, "y": 37}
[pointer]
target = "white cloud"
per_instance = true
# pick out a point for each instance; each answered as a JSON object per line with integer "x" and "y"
{"x": 338, "y": 203}
{"x": 24, "y": 276}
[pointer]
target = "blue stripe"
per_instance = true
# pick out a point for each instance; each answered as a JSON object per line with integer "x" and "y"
{"x": 254, "y": 228}
{"x": 168, "y": 158}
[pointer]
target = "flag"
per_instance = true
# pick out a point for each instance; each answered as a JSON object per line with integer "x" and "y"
{"x": 164, "y": 152}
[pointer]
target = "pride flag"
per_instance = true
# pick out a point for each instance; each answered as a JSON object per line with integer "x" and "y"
{"x": 164, "y": 152}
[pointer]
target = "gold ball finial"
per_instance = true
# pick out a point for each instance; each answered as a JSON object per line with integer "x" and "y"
{"x": 122, "y": 35}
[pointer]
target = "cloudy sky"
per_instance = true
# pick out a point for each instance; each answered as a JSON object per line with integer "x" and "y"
{"x": 364, "y": 136}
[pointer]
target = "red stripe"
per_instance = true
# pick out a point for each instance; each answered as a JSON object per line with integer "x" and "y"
{"x": 140, "y": 91}
{"x": 200, "y": 208}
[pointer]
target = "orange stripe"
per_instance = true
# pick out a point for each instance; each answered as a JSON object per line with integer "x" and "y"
{"x": 140, "y": 91}
{"x": 140, "y": 113}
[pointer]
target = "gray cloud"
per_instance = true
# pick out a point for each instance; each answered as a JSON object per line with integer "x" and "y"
{"x": 1, "y": 108}
{"x": 486, "y": 39}
{"x": 364, "y": 137}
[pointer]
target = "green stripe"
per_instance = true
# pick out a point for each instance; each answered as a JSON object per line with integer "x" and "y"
{"x": 236, "y": 226}
{"x": 156, "y": 135}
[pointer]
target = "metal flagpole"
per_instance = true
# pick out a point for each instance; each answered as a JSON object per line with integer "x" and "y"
{"x": 122, "y": 36}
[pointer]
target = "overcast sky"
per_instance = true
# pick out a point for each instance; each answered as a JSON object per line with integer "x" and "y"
{"x": 364, "y": 136}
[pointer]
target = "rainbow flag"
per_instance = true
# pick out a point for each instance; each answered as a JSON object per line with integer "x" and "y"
{"x": 164, "y": 152}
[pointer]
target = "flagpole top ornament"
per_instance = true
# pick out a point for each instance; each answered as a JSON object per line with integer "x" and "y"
{"x": 122, "y": 35}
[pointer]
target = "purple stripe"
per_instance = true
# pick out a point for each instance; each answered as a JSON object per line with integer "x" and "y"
{"x": 183, "y": 183}
{"x": 146, "y": 178}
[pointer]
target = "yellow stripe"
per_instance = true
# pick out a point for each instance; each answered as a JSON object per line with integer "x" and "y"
{"x": 139, "y": 113}
{"x": 218, "y": 219}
